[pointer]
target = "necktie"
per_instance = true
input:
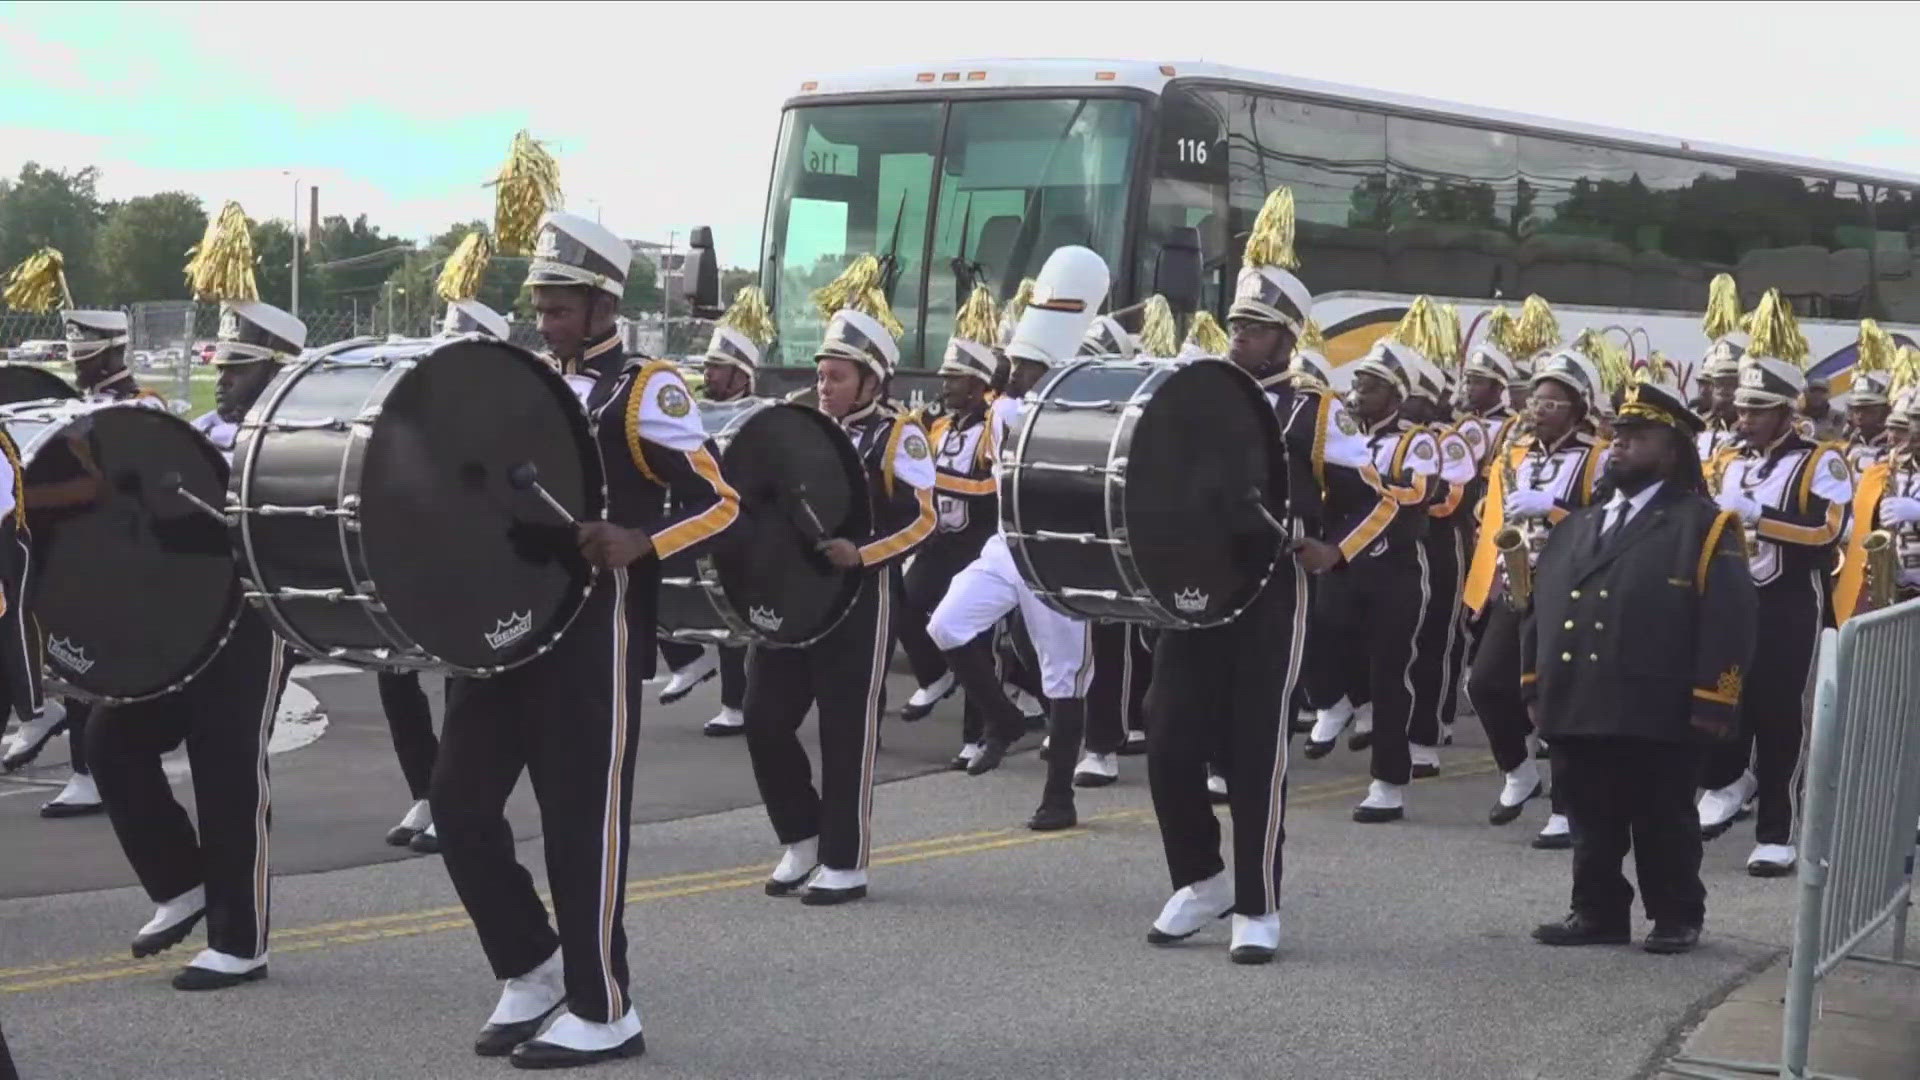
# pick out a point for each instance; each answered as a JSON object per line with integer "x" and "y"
{"x": 1616, "y": 516}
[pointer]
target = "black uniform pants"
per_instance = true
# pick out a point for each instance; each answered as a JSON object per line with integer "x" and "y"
{"x": 1116, "y": 700}
{"x": 19, "y": 635}
{"x": 7, "y": 1071}
{"x": 1434, "y": 673}
{"x": 1771, "y": 729}
{"x": 568, "y": 718}
{"x": 1633, "y": 794}
{"x": 1466, "y": 645}
{"x": 410, "y": 722}
{"x": 79, "y": 713}
{"x": 842, "y": 674}
{"x": 733, "y": 676}
{"x": 225, "y": 717}
{"x": 1228, "y": 686}
{"x": 1493, "y": 684}
{"x": 679, "y": 654}
{"x": 1372, "y": 615}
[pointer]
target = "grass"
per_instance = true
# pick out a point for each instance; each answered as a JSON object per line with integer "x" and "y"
{"x": 167, "y": 385}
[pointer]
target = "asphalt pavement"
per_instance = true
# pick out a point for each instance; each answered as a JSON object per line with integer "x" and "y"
{"x": 985, "y": 950}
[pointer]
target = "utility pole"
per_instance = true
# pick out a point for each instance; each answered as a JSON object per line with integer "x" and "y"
{"x": 294, "y": 223}
{"x": 666, "y": 296}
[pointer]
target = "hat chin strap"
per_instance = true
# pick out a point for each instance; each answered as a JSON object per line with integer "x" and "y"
{"x": 92, "y": 347}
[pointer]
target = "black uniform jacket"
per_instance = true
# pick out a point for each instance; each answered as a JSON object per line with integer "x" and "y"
{"x": 1637, "y": 638}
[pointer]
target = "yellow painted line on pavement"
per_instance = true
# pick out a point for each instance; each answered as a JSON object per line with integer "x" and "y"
{"x": 52, "y": 975}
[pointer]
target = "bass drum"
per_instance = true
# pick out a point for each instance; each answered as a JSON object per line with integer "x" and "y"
{"x": 29, "y": 382}
{"x": 375, "y": 518}
{"x": 133, "y": 587}
{"x": 764, "y": 582}
{"x": 1130, "y": 491}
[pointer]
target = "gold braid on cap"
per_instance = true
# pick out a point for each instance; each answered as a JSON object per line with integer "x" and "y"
{"x": 1657, "y": 372}
{"x": 1616, "y": 370}
{"x": 1723, "y": 308}
{"x": 978, "y": 320}
{"x": 1775, "y": 333}
{"x": 526, "y": 187}
{"x": 1158, "y": 335}
{"x": 1419, "y": 329}
{"x": 858, "y": 287}
{"x": 1876, "y": 348}
{"x": 39, "y": 283}
{"x": 1271, "y": 241}
{"x": 464, "y": 270}
{"x": 1447, "y": 324}
{"x": 220, "y": 266}
{"x": 1204, "y": 333}
{"x": 1535, "y": 331}
{"x": 748, "y": 315}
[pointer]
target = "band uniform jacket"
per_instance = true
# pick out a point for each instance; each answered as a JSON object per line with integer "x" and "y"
{"x": 1637, "y": 637}
{"x": 1334, "y": 493}
{"x": 1804, "y": 490}
{"x": 965, "y": 448}
{"x": 900, "y": 482}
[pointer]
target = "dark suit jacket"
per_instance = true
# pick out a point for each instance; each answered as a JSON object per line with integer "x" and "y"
{"x": 1636, "y": 638}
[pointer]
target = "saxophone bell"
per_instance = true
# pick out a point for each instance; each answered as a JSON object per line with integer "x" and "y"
{"x": 1511, "y": 544}
{"x": 1882, "y": 574}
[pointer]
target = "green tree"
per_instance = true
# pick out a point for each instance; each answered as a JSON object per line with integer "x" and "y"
{"x": 352, "y": 260}
{"x": 142, "y": 247}
{"x": 733, "y": 279}
{"x": 53, "y": 207}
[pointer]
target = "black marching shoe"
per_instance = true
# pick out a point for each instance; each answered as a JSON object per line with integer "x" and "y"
{"x": 160, "y": 941}
{"x": 1672, "y": 938}
{"x": 1317, "y": 750}
{"x": 1135, "y": 745}
{"x": 498, "y": 1040}
{"x": 543, "y": 1055}
{"x": 992, "y": 753}
{"x": 198, "y": 978}
{"x": 1052, "y": 817}
{"x": 817, "y": 896}
{"x": 1578, "y": 929}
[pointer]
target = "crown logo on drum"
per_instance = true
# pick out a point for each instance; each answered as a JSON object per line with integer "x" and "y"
{"x": 765, "y": 618}
{"x": 72, "y": 657}
{"x": 509, "y": 630}
{"x": 1190, "y": 601}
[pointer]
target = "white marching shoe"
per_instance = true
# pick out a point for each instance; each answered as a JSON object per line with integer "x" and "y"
{"x": 729, "y": 722}
{"x": 1216, "y": 787}
{"x": 419, "y": 816}
{"x": 796, "y": 864}
{"x": 926, "y": 697}
{"x": 1096, "y": 770}
{"x": 215, "y": 970}
{"x": 1721, "y": 807}
{"x": 1557, "y": 835}
{"x": 525, "y": 1003}
{"x": 1521, "y": 787}
{"x": 1426, "y": 760}
{"x": 571, "y": 1041}
{"x": 1191, "y": 908}
{"x": 705, "y": 667}
{"x": 79, "y": 797}
{"x": 1362, "y": 736}
{"x": 968, "y": 751}
{"x": 1255, "y": 938}
{"x": 32, "y": 737}
{"x": 171, "y": 923}
{"x": 1328, "y": 723}
{"x": 1030, "y": 707}
{"x": 1384, "y": 802}
{"x": 1771, "y": 860}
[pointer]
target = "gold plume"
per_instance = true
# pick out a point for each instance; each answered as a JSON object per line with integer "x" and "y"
{"x": 220, "y": 266}
{"x": 1158, "y": 335}
{"x": 858, "y": 287}
{"x": 464, "y": 270}
{"x": 978, "y": 320}
{"x": 1775, "y": 332}
{"x": 1535, "y": 331}
{"x": 1876, "y": 348}
{"x": 1906, "y": 371}
{"x": 39, "y": 283}
{"x": 1659, "y": 370}
{"x": 1204, "y": 333}
{"x": 1616, "y": 370}
{"x": 1723, "y": 308}
{"x": 527, "y": 186}
{"x": 748, "y": 314}
{"x": 1500, "y": 328}
{"x": 1312, "y": 338}
{"x": 1448, "y": 328}
{"x": 1271, "y": 241}
{"x": 1419, "y": 328}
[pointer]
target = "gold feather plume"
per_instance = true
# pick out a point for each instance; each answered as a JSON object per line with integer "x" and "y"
{"x": 220, "y": 266}
{"x": 1419, "y": 328}
{"x": 1271, "y": 241}
{"x": 748, "y": 314}
{"x": 1500, "y": 327}
{"x": 1204, "y": 333}
{"x": 1775, "y": 332}
{"x": 39, "y": 284}
{"x": 1312, "y": 338}
{"x": 1158, "y": 335}
{"x": 1875, "y": 347}
{"x": 858, "y": 287}
{"x": 461, "y": 276}
{"x": 1535, "y": 331}
{"x": 1906, "y": 372}
{"x": 527, "y": 186}
{"x": 1447, "y": 326}
{"x": 1616, "y": 370}
{"x": 1658, "y": 370}
{"x": 1723, "y": 308}
{"x": 978, "y": 320}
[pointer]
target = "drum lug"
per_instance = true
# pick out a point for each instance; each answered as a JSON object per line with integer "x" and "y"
{"x": 331, "y": 596}
{"x": 328, "y": 423}
{"x": 1078, "y": 470}
{"x": 272, "y": 510}
{"x": 1064, "y": 537}
{"x": 1092, "y": 406}
{"x": 1068, "y": 593}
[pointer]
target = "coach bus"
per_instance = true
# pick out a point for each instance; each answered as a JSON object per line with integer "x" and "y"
{"x": 975, "y": 171}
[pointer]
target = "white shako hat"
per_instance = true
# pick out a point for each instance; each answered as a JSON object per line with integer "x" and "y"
{"x": 474, "y": 317}
{"x": 976, "y": 327}
{"x": 1106, "y": 337}
{"x": 741, "y": 332}
{"x": 1400, "y": 356}
{"x": 1067, "y": 296}
{"x": 1575, "y": 372}
{"x": 252, "y": 331}
{"x": 1772, "y": 373}
{"x": 570, "y": 250}
{"x": 90, "y": 333}
{"x": 1266, "y": 290}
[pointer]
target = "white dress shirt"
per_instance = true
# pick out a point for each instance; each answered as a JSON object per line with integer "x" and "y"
{"x": 1622, "y": 507}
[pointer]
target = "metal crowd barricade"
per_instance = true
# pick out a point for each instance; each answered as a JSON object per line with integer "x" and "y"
{"x": 1858, "y": 827}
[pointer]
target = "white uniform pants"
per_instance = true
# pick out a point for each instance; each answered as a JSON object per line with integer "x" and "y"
{"x": 990, "y": 587}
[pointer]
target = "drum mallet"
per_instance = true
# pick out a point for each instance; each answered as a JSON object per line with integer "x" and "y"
{"x": 820, "y": 536}
{"x": 526, "y": 477}
{"x": 177, "y": 484}
{"x": 1259, "y": 503}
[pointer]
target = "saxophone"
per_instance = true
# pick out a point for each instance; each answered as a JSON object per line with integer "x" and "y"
{"x": 1511, "y": 542}
{"x": 1882, "y": 571}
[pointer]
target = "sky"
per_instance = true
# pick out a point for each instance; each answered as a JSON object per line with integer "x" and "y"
{"x": 665, "y": 116}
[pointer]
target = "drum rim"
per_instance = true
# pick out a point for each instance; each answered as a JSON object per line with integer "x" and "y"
{"x": 72, "y": 392}
{"x": 235, "y": 600}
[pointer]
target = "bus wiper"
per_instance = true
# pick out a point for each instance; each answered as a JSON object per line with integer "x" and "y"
{"x": 889, "y": 265}
{"x": 965, "y": 272}
{"x": 1029, "y": 225}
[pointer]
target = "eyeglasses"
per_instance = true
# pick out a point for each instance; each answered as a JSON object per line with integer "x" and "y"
{"x": 1548, "y": 405}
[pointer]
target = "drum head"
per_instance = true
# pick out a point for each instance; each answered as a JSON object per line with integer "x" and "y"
{"x": 1205, "y": 438}
{"x": 25, "y": 382}
{"x": 134, "y": 589}
{"x": 480, "y": 574}
{"x": 770, "y": 572}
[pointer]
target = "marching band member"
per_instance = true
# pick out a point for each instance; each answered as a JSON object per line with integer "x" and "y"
{"x": 1821, "y": 421}
{"x": 1794, "y": 494}
{"x": 1375, "y": 606}
{"x": 827, "y": 831}
{"x": 1720, "y": 371}
{"x": 1533, "y": 483}
{"x": 1439, "y": 649}
{"x": 1868, "y": 404}
{"x": 569, "y": 718}
{"x": 1887, "y": 497}
{"x": 1630, "y": 677}
{"x": 225, "y": 714}
{"x": 1071, "y": 286}
{"x": 730, "y": 363}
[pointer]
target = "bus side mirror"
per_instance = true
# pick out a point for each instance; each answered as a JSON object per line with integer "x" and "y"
{"x": 700, "y": 275}
{"x": 1177, "y": 269}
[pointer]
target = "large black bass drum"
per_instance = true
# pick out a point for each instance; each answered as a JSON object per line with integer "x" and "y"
{"x": 30, "y": 382}
{"x": 799, "y": 478}
{"x": 133, "y": 587}
{"x": 381, "y": 514}
{"x": 1129, "y": 491}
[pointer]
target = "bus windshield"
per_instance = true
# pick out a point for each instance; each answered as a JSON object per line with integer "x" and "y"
{"x": 947, "y": 193}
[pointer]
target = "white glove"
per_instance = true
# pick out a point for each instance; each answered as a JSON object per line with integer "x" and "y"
{"x": 1529, "y": 503}
{"x": 1733, "y": 501}
{"x": 1899, "y": 510}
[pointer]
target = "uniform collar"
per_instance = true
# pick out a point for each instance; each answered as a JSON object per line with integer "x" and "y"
{"x": 865, "y": 412}
{"x": 601, "y": 357}
{"x": 1387, "y": 425}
